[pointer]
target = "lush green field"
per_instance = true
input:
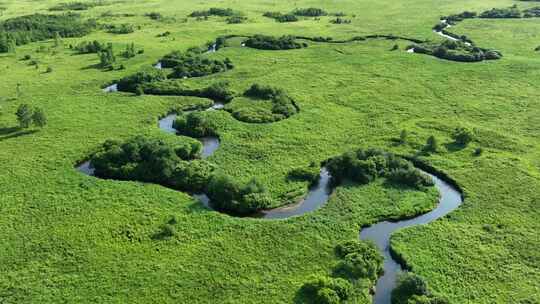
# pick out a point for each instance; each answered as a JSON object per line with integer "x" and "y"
{"x": 67, "y": 237}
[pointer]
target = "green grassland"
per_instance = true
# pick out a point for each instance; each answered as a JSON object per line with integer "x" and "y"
{"x": 67, "y": 237}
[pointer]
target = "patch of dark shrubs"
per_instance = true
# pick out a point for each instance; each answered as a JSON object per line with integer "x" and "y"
{"x": 456, "y": 51}
{"x": 510, "y": 12}
{"x": 192, "y": 64}
{"x": 89, "y": 47}
{"x": 229, "y": 196}
{"x": 236, "y": 19}
{"x": 340, "y": 20}
{"x": 76, "y": 6}
{"x": 218, "y": 91}
{"x": 452, "y": 19}
{"x": 195, "y": 124}
{"x": 359, "y": 260}
{"x": 263, "y": 42}
{"x": 280, "y": 17}
{"x": 532, "y": 12}
{"x": 148, "y": 75}
{"x": 282, "y": 105}
{"x": 25, "y": 29}
{"x": 214, "y": 11}
{"x": 310, "y": 12}
{"x": 364, "y": 166}
{"x": 413, "y": 289}
{"x": 123, "y": 28}
{"x": 326, "y": 290}
{"x": 151, "y": 160}
{"x": 154, "y": 16}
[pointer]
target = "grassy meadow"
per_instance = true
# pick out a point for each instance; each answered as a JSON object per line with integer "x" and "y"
{"x": 71, "y": 238}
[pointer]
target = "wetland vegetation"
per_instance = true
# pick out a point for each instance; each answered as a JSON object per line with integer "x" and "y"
{"x": 324, "y": 123}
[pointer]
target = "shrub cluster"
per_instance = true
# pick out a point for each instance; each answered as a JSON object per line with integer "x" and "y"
{"x": 214, "y": 11}
{"x": 155, "y": 161}
{"x": 195, "y": 124}
{"x": 463, "y": 136}
{"x": 123, "y": 28}
{"x": 237, "y": 19}
{"x": 26, "y": 116}
{"x": 192, "y": 64}
{"x": 327, "y": 290}
{"x": 310, "y": 12}
{"x": 532, "y": 12}
{"x": 25, "y": 29}
{"x": 282, "y": 106}
{"x": 218, "y": 91}
{"x": 340, "y": 20}
{"x": 457, "y": 51}
{"x": 146, "y": 76}
{"x": 229, "y": 196}
{"x": 364, "y": 166}
{"x": 76, "y": 6}
{"x": 273, "y": 43}
{"x": 359, "y": 260}
{"x": 280, "y": 17}
{"x": 154, "y": 16}
{"x": 412, "y": 289}
{"x": 452, "y": 19}
{"x": 510, "y": 12}
{"x": 89, "y": 47}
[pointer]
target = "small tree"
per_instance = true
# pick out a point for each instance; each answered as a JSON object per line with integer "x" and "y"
{"x": 403, "y": 136}
{"x": 431, "y": 144}
{"x": 24, "y": 116}
{"x": 463, "y": 136}
{"x": 57, "y": 39}
{"x": 38, "y": 118}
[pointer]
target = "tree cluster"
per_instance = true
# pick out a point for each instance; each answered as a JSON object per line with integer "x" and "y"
{"x": 457, "y": 51}
{"x": 280, "y": 17}
{"x": 26, "y": 116}
{"x": 214, "y": 11}
{"x": 310, "y": 12}
{"x": 195, "y": 124}
{"x": 364, "y": 166}
{"x": 89, "y": 47}
{"x": 359, "y": 260}
{"x": 25, "y": 29}
{"x": 154, "y": 161}
{"x": 327, "y": 290}
{"x": 148, "y": 75}
{"x": 192, "y": 64}
{"x": 264, "y": 42}
{"x": 510, "y": 12}
{"x": 340, "y": 20}
{"x": 76, "y": 6}
{"x": 413, "y": 289}
{"x": 218, "y": 91}
{"x": 123, "y": 28}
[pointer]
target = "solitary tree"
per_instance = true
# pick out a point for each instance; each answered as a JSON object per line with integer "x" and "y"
{"x": 57, "y": 39}
{"x": 24, "y": 115}
{"x": 403, "y": 136}
{"x": 38, "y": 118}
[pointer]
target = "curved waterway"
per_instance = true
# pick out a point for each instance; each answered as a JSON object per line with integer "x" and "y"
{"x": 380, "y": 233}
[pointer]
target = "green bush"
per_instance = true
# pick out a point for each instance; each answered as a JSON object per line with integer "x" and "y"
{"x": 273, "y": 43}
{"x": 364, "y": 166}
{"x": 408, "y": 286}
{"x": 310, "y": 12}
{"x": 195, "y": 124}
{"x": 359, "y": 259}
{"x": 145, "y": 76}
{"x": 463, "y": 136}
{"x": 229, "y": 196}
{"x": 321, "y": 289}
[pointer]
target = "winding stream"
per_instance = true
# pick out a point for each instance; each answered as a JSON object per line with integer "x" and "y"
{"x": 319, "y": 194}
{"x": 380, "y": 233}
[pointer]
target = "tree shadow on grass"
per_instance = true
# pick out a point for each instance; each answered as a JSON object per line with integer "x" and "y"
{"x": 14, "y": 132}
{"x": 454, "y": 147}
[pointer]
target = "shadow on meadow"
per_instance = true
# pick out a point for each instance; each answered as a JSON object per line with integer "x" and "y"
{"x": 14, "y": 132}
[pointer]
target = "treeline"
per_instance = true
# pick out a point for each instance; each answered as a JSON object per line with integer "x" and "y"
{"x": 38, "y": 27}
{"x": 365, "y": 166}
{"x": 495, "y": 13}
{"x": 456, "y": 51}
{"x": 264, "y": 42}
{"x": 178, "y": 166}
